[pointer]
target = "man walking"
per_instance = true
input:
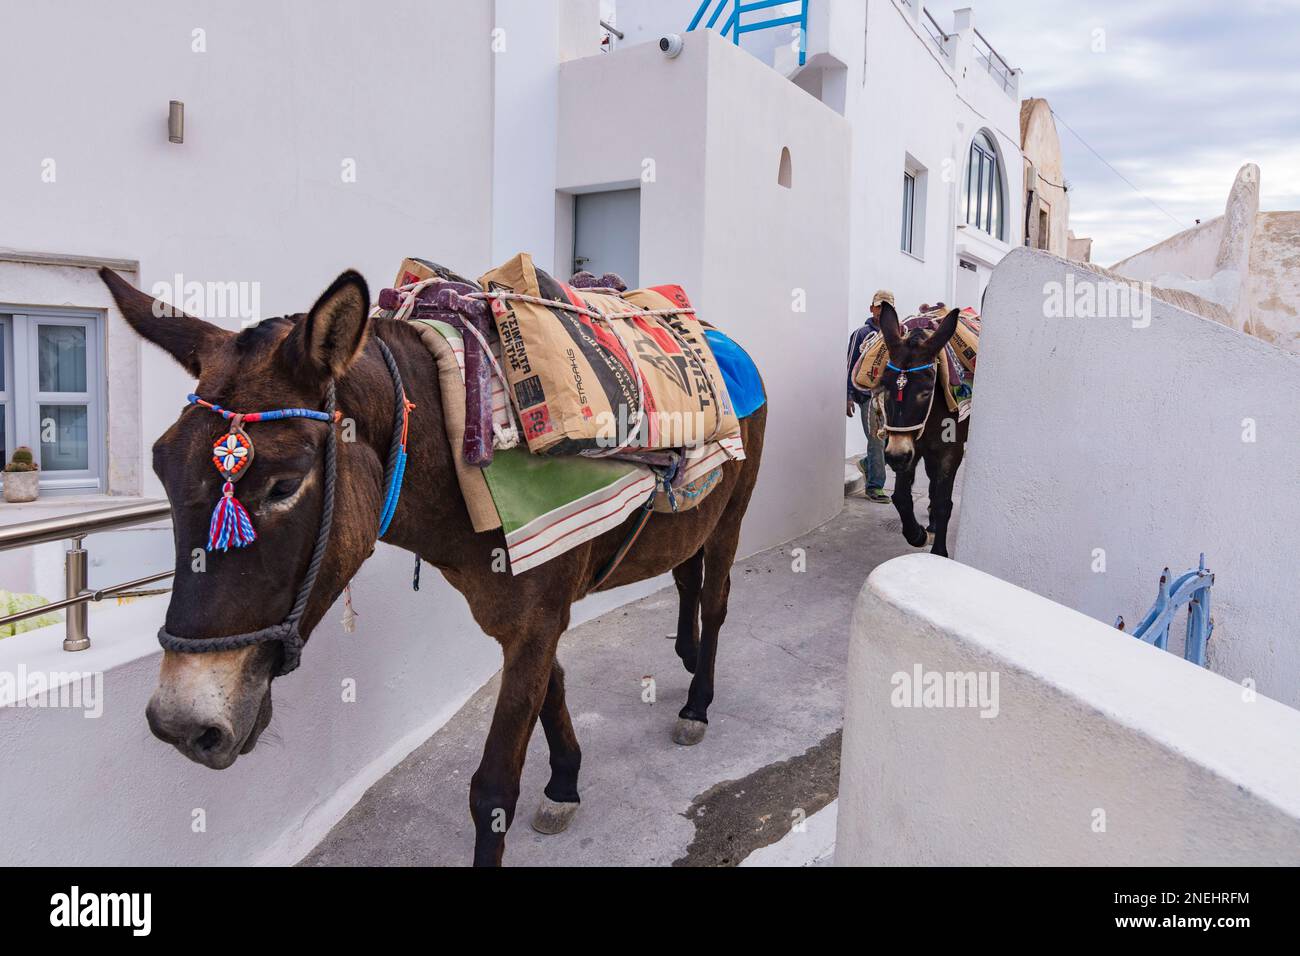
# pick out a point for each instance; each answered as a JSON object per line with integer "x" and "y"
{"x": 872, "y": 464}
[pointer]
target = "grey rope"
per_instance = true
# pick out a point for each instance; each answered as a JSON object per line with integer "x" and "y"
{"x": 287, "y": 631}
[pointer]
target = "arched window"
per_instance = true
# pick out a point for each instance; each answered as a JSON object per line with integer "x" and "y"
{"x": 783, "y": 168}
{"x": 982, "y": 202}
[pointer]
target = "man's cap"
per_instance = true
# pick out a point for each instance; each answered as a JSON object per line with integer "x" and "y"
{"x": 882, "y": 295}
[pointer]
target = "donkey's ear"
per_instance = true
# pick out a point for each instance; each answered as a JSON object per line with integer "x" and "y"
{"x": 182, "y": 336}
{"x": 940, "y": 336}
{"x": 334, "y": 332}
{"x": 889, "y": 328}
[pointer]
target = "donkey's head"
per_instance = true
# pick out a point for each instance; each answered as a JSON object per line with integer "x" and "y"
{"x": 909, "y": 382}
{"x": 213, "y": 706}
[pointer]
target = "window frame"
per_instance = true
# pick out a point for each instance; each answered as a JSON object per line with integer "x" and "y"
{"x": 23, "y": 399}
{"x": 984, "y": 200}
{"x": 7, "y": 388}
{"x": 908, "y": 236}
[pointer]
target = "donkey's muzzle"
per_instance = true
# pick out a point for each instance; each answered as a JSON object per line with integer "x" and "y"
{"x": 207, "y": 740}
{"x": 900, "y": 450}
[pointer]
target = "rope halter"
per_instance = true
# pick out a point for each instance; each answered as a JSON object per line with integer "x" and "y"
{"x": 901, "y": 385}
{"x": 231, "y": 526}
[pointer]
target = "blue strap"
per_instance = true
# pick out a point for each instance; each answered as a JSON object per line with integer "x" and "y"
{"x": 914, "y": 368}
{"x": 393, "y": 493}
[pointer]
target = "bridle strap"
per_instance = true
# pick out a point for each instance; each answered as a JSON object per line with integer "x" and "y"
{"x": 915, "y": 368}
{"x": 287, "y": 632}
{"x": 928, "y": 408}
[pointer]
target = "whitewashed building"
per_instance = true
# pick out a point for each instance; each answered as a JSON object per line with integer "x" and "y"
{"x": 936, "y": 197}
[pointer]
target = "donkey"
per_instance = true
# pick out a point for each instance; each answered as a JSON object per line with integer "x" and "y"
{"x": 918, "y": 427}
{"x": 213, "y": 706}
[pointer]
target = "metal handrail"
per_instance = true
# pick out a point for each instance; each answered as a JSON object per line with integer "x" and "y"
{"x": 937, "y": 35}
{"x": 76, "y": 561}
{"x": 45, "y": 530}
{"x": 930, "y": 16}
{"x": 1004, "y": 74}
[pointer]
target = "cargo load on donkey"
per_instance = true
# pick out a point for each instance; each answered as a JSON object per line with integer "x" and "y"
{"x": 597, "y": 371}
{"x": 956, "y": 362}
{"x": 624, "y": 400}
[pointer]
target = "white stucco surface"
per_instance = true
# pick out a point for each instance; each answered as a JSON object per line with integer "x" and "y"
{"x": 1101, "y": 452}
{"x": 710, "y": 126}
{"x": 1103, "y": 750}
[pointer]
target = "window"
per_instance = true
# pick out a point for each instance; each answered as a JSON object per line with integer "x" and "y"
{"x": 982, "y": 202}
{"x": 911, "y": 238}
{"x": 49, "y": 393}
{"x": 909, "y": 209}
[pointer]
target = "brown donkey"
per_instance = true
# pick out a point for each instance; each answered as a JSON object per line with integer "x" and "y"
{"x": 918, "y": 426}
{"x": 213, "y": 706}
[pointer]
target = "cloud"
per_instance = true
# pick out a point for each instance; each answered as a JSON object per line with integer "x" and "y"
{"x": 1175, "y": 95}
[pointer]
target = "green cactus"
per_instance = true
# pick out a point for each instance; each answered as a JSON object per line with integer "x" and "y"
{"x": 22, "y": 460}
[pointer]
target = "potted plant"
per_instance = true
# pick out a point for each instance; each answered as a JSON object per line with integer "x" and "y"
{"x": 22, "y": 476}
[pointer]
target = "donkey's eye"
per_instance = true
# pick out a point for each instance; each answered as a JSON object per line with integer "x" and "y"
{"x": 282, "y": 489}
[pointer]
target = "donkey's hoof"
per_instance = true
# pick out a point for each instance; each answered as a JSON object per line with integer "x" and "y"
{"x": 918, "y": 539}
{"x": 552, "y": 817}
{"x": 687, "y": 732}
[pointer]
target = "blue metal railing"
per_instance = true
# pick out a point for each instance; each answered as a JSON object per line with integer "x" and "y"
{"x": 1192, "y": 589}
{"x": 734, "y": 25}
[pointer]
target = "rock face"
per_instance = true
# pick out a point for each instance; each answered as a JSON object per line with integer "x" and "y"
{"x": 1273, "y": 287}
{"x": 1241, "y": 268}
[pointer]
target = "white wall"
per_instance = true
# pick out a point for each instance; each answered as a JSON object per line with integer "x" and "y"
{"x": 285, "y": 93}
{"x": 1191, "y": 253}
{"x": 1089, "y": 433}
{"x": 714, "y": 220}
{"x": 1101, "y": 751}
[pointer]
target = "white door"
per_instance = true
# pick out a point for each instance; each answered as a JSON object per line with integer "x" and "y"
{"x": 968, "y": 285}
{"x": 607, "y": 233}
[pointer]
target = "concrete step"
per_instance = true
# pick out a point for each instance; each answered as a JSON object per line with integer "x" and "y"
{"x": 853, "y": 480}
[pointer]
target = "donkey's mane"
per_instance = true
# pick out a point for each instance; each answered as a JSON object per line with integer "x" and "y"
{"x": 266, "y": 332}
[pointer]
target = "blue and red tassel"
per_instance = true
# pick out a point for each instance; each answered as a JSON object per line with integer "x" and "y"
{"x": 231, "y": 526}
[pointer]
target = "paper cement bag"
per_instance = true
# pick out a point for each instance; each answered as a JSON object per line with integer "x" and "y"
{"x": 574, "y": 377}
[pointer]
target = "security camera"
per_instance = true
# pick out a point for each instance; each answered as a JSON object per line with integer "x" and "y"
{"x": 671, "y": 45}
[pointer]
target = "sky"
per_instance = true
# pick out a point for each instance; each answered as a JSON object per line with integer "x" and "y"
{"x": 1177, "y": 96}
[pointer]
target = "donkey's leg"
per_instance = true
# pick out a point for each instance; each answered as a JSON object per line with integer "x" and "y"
{"x": 560, "y": 799}
{"x": 494, "y": 788}
{"x": 693, "y": 720}
{"x": 689, "y": 576}
{"x": 943, "y": 472}
{"x": 902, "y": 499}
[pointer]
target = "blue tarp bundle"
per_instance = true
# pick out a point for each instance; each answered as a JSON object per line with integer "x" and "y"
{"x": 738, "y": 373}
